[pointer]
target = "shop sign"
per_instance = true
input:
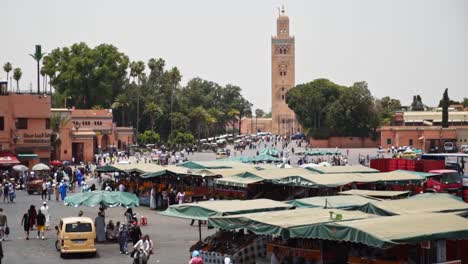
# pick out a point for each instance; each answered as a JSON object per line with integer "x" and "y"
{"x": 37, "y": 138}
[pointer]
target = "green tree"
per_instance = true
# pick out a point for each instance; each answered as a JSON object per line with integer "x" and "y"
{"x": 259, "y": 112}
{"x": 181, "y": 139}
{"x": 268, "y": 115}
{"x": 180, "y": 121}
{"x": 91, "y": 76}
{"x": 199, "y": 117}
{"x": 417, "y": 104}
{"x": 17, "y": 73}
{"x": 310, "y": 102}
{"x": 149, "y": 137}
{"x": 385, "y": 108}
{"x": 7, "y": 68}
{"x": 445, "y": 105}
{"x": 121, "y": 102}
{"x": 465, "y": 102}
{"x": 37, "y": 56}
{"x": 153, "y": 110}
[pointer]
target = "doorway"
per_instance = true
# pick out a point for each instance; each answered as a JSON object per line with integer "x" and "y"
{"x": 77, "y": 152}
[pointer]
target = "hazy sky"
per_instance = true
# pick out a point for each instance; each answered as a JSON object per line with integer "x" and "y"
{"x": 400, "y": 47}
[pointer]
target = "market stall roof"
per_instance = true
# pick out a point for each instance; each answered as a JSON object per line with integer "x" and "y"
{"x": 140, "y": 167}
{"x": 239, "y": 180}
{"x": 343, "y": 169}
{"x": 414, "y": 206}
{"x": 385, "y": 232}
{"x": 8, "y": 158}
{"x": 279, "y": 222}
{"x": 335, "y": 201}
{"x": 429, "y": 195}
{"x": 198, "y": 165}
{"x": 203, "y": 210}
{"x": 269, "y": 151}
{"x": 372, "y": 193}
{"x": 266, "y": 158}
{"x": 108, "y": 168}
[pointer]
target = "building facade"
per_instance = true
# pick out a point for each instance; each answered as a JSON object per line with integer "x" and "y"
{"x": 85, "y": 132}
{"x": 282, "y": 77}
{"x": 25, "y": 127}
{"x": 422, "y": 130}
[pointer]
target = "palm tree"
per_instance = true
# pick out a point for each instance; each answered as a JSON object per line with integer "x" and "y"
{"x": 140, "y": 70}
{"x": 17, "y": 73}
{"x": 57, "y": 122}
{"x": 153, "y": 110}
{"x": 121, "y": 102}
{"x": 7, "y": 67}
{"x": 44, "y": 79}
{"x": 37, "y": 56}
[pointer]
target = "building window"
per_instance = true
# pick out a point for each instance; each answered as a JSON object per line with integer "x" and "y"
{"x": 389, "y": 141}
{"x": 47, "y": 123}
{"x": 282, "y": 97}
{"x": 21, "y": 123}
{"x": 2, "y": 123}
{"x": 410, "y": 142}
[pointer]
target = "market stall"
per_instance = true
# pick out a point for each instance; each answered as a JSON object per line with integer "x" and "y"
{"x": 428, "y": 204}
{"x": 342, "y": 169}
{"x": 348, "y": 202}
{"x": 276, "y": 226}
{"x": 377, "y": 194}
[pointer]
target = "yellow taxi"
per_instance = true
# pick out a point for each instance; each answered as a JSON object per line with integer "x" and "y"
{"x": 76, "y": 235}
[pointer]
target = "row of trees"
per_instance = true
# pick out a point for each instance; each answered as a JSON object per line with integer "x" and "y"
{"x": 147, "y": 96}
{"x": 325, "y": 109}
{"x": 17, "y": 73}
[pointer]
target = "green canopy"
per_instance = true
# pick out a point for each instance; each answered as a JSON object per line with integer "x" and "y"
{"x": 270, "y": 152}
{"x": 280, "y": 222}
{"x": 429, "y": 204}
{"x": 266, "y": 158}
{"x": 104, "y": 198}
{"x": 203, "y": 210}
{"x": 385, "y": 232}
{"x": 108, "y": 168}
{"x": 153, "y": 174}
{"x": 239, "y": 180}
{"x": 349, "y": 202}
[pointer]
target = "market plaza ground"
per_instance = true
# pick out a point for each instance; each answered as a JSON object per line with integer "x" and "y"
{"x": 172, "y": 236}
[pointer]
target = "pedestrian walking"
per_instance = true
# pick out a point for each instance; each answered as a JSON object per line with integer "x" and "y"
{"x": 40, "y": 220}
{"x": 123, "y": 239}
{"x": 63, "y": 190}
{"x": 25, "y": 223}
{"x": 49, "y": 189}
{"x": 12, "y": 192}
{"x": 45, "y": 211}
{"x": 3, "y": 224}
{"x": 6, "y": 189}
{"x": 44, "y": 191}
{"x": 56, "y": 191}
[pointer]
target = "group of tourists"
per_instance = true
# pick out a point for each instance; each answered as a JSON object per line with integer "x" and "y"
{"x": 39, "y": 218}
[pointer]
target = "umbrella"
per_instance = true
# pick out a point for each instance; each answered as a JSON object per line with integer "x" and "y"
{"x": 20, "y": 168}
{"x": 40, "y": 167}
{"x": 56, "y": 163}
{"x": 102, "y": 198}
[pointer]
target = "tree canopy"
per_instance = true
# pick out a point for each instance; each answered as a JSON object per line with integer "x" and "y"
{"x": 104, "y": 77}
{"x": 324, "y": 108}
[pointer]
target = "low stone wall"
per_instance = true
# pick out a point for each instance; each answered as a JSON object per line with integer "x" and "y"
{"x": 345, "y": 142}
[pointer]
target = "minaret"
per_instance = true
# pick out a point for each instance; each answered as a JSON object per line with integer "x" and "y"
{"x": 282, "y": 77}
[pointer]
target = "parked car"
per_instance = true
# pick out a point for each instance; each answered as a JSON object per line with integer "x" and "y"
{"x": 222, "y": 154}
{"x": 450, "y": 147}
{"x": 297, "y": 136}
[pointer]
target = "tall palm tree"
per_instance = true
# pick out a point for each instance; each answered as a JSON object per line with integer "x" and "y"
{"x": 140, "y": 70}
{"x": 37, "y": 56}
{"x": 57, "y": 122}
{"x": 121, "y": 102}
{"x": 44, "y": 79}
{"x": 154, "y": 111}
{"x": 7, "y": 67}
{"x": 17, "y": 73}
